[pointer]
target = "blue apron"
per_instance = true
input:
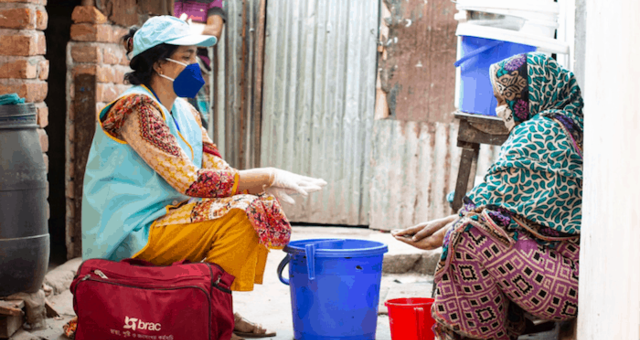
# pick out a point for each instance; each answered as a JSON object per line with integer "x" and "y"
{"x": 122, "y": 195}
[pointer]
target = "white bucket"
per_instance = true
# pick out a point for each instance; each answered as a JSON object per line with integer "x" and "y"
{"x": 527, "y": 8}
{"x": 544, "y": 44}
{"x": 529, "y": 17}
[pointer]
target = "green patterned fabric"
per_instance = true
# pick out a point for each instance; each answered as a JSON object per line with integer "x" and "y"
{"x": 538, "y": 174}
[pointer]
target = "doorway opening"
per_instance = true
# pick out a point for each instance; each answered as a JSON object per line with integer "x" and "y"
{"x": 58, "y": 34}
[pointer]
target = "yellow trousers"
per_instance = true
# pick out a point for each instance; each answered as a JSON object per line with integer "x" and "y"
{"x": 229, "y": 241}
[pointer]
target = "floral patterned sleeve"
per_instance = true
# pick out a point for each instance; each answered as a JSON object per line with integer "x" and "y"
{"x": 211, "y": 158}
{"x": 138, "y": 121}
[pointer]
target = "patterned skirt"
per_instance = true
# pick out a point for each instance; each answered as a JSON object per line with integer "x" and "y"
{"x": 489, "y": 275}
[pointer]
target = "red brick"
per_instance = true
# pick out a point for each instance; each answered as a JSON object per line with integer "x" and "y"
{"x": 23, "y": 44}
{"x": 119, "y": 75}
{"x": 88, "y": 14}
{"x": 43, "y": 115}
{"x": 42, "y": 20}
{"x": 118, "y": 33}
{"x": 81, "y": 53}
{"x": 84, "y": 69}
{"x": 105, "y": 74}
{"x": 41, "y": 44}
{"x": 18, "y": 18}
{"x": 36, "y": 91}
{"x": 32, "y": 91}
{"x": 105, "y": 33}
{"x": 106, "y": 92}
{"x": 112, "y": 54}
{"x": 84, "y": 32}
{"x": 43, "y": 70}
{"x": 115, "y": 74}
{"x": 124, "y": 59}
{"x": 44, "y": 140}
{"x": 18, "y": 68}
{"x": 125, "y": 12}
{"x": 91, "y": 32}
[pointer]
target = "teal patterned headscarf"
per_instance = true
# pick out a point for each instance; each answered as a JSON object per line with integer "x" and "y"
{"x": 538, "y": 174}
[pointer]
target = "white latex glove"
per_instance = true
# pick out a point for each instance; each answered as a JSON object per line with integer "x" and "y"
{"x": 286, "y": 184}
{"x": 283, "y": 195}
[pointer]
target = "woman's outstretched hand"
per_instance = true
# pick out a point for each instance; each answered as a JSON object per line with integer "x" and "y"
{"x": 426, "y": 236}
{"x": 285, "y": 184}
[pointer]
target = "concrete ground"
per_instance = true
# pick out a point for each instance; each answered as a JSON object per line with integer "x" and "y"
{"x": 404, "y": 275}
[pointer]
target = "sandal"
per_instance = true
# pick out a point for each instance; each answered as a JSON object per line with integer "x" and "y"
{"x": 235, "y": 337}
{"x": 257, "y": 331}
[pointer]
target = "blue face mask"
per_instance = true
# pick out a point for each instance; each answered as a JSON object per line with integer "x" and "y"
{"x": 188, "y": 82}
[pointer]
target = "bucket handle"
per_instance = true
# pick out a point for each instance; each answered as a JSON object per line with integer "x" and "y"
{"x": 478, "y": 51}
{"x": 285, "y": 261}
{"x": 421, "y": 321}
{"x": 310, "y": 251}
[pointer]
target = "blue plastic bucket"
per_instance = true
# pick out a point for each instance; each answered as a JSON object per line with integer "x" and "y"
{"x": 335, "y": 287}
{"x": 476, "y": 92}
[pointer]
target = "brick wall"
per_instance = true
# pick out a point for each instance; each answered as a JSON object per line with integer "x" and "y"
{"x": 96, "y": 64}
{"x": 23, "y": 67}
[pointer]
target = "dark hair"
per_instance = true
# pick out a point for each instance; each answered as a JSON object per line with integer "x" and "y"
{"x": 142, "y": 64}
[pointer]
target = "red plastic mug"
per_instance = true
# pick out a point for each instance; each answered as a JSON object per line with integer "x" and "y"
{"x": 410, "y": 318}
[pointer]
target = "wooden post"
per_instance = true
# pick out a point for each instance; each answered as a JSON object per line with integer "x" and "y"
{"x": 244, "y": 83}
{"x": 473, "y": 131}
{"x": 261, "y": 29}
{"x": 469, "y": 156}
{"x": 84, "y": 127}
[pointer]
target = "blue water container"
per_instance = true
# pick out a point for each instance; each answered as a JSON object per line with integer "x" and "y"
{"x": 335, "y": 288}
{"x": 476, "y": 91}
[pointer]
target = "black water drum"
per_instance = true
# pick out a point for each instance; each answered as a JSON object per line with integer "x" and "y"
{"x": 24, "y": 236}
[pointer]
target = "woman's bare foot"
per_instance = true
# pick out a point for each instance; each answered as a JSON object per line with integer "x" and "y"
{"x": 235, "y": 337}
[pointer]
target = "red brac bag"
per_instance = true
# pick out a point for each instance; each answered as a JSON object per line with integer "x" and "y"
{"x": 134, "y": 299}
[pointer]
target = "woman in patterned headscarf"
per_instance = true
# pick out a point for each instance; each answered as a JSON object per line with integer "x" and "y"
{"x": 514, "y": 246}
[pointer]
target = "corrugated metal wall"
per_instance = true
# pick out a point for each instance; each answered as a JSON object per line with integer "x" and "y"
{"x": 414, "y": 167}
{"x": 317, "y": 115}
{"x": 237, "y": 83}
{"x": 319, "y": 94}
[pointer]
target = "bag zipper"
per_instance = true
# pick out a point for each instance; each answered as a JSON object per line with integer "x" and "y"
{"x": 147, "y": 282}
{"x": 123, "y": 277}
{"x": 126, "y": 283}
{"x": 88, "y": 277}
{"x": 217, "y": 283}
